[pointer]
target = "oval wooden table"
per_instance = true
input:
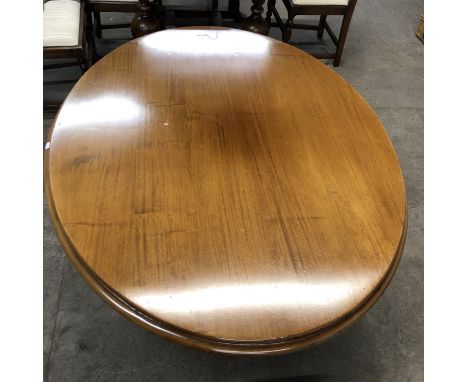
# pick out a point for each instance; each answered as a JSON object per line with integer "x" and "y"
{"x": 226, "y": 190}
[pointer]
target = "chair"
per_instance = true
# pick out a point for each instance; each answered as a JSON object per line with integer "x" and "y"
{"x": 64, "y": 33}
{"x": 321, "y": 8}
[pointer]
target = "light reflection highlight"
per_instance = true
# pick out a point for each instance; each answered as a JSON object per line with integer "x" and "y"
{"x": 230, "y": 297}
{"x": 212, "y": 42}
{"x": 113, "y": 109}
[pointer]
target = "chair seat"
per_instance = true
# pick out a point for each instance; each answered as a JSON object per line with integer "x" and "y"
{"x": 61, "y": 20}
{"x": 320, "y": 2}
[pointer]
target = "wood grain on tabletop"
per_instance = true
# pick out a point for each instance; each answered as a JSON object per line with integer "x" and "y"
{"x": 226, "y": 190}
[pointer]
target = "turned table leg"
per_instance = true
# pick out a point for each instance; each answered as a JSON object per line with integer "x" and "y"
{"x": 144, "y": 21}
{"x": 255, "y": 22}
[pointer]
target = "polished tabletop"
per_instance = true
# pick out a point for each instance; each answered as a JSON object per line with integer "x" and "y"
{"x": 226, "y": 190}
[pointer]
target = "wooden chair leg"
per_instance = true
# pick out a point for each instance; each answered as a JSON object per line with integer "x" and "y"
{"x": 277, "y": 17}
{"x": 158, "y": 8}
{"x": 286, "y": 35}
{"x": 234, "y": 8}
{"x": 97, "y": 24}
{"x": 270, "y": 5}
{"x": 90, "y": 51}
{"x": 321, "y": 26}
{"x": 83, "y": 64}
{"x": 343, "y": 34}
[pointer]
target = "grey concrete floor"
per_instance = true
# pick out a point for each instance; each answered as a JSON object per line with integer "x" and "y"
{"x": 85, "y": 340}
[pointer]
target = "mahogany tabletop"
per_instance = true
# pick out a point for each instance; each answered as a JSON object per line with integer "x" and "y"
{"x": 226, "y": 190}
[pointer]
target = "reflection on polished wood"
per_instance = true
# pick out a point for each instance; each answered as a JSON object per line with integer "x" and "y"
{"x": 226, "y": 190}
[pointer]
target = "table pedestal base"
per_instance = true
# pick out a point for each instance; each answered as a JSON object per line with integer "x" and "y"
{"x": 144, "y": 21}
{"x": 255, "y": 22}
{"x": 149, "y": 18}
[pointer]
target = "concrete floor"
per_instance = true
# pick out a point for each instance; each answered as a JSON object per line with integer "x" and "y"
{"x": 85, "y": 340}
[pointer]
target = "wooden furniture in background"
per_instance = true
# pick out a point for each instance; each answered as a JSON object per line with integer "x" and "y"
{"x": 255, "y": 22}
{"x": 233, "y": 194}
{"x": 64, "y": 34}
{"x": 149, "y": 13}
{"x": 323, "y": 8}
{"x": 213, "y": 13}
{"x": 144, "y": 21}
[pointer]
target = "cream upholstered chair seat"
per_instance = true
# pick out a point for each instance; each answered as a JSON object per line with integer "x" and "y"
{"x": 320, "y": 2}
{"x": 61, "y": 20}
{"x": 66, "y": 37}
